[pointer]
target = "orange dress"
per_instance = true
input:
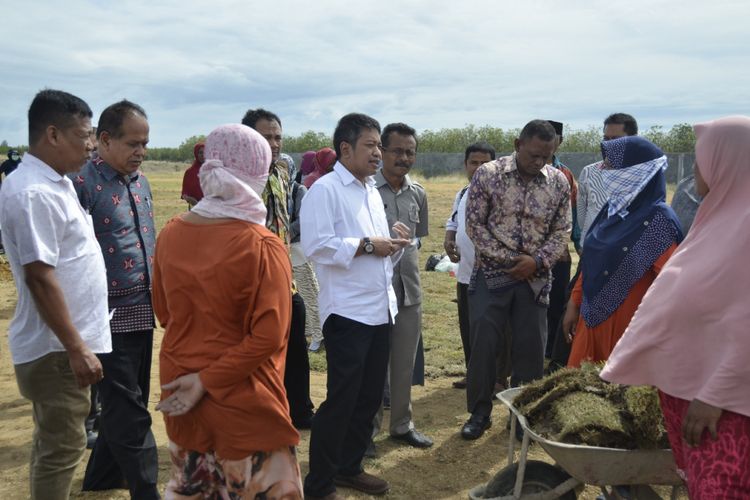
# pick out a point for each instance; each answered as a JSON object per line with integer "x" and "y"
{"x": 597, "y": 343}
{"x": 222, "y": 293}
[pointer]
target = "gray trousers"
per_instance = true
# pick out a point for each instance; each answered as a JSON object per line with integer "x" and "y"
{"x": 489, "y": 312}
{"x": 404, "y": 341}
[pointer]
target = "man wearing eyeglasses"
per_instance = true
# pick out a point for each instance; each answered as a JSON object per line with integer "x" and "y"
{"x": 404, "y": 201}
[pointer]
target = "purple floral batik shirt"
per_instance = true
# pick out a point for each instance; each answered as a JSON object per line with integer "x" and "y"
{"x": 122, "y": 211}
{"x": 507, "y": 216}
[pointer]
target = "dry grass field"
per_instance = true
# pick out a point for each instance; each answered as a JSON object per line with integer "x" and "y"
{"x": 446, "y": 471}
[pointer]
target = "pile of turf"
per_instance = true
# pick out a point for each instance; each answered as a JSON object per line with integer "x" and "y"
{"x": 575, "y": 406}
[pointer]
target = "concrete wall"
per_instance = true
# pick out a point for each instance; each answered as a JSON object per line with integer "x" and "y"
{"x": 434, "y": 164}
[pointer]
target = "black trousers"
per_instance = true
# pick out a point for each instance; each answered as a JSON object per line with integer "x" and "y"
{"x": 125, "y": 450}
{"x": 557, "y": 302}
{"x": 297, "y": 374}
{"x": 462, "y": 299}
{"x": 357, "y": 356}
{"x": 92, "y": 420}
{"x": 490, "y": 313}
{"x": 464, "y": 326}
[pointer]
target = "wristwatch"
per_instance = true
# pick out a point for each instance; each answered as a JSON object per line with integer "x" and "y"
{"x": 368, "y": 246}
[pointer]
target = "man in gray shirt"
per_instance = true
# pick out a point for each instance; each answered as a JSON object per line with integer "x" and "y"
{"x": 404, "y": 201}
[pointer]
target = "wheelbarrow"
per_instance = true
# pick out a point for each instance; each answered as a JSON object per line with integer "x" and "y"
{"x": 576, "y": 466}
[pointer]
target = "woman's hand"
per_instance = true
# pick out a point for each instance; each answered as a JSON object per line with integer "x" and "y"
{"x": 699, "y": 416}
{"x": 188, "y": 390}
{"x": 570, "y": 320}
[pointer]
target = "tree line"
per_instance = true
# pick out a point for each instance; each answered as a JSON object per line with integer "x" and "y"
{"x": 678, "y": 139}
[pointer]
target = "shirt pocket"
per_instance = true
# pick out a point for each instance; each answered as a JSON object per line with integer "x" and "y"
{"x": 414, "y": 214}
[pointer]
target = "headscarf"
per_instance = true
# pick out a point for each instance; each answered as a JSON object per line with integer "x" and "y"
{"x": 323, "y": 161}
{"x": 689, "y": 337}
{"x": 632, "y": 230}
{"x": 306, "y": 166}
{"x": 291, "y": 167}
{"x": 234, "y": 174}
{"x": 191, "y": 185}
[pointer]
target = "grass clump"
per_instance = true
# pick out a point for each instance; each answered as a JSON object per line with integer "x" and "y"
{"x": 574, "y": 405}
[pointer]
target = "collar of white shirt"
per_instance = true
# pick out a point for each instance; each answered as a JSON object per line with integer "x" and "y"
{"x": 29, "y": 160}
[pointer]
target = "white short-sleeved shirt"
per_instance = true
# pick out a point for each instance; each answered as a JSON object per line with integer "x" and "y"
{"x": 463, "y": 243}
{"x": 337, "y": 212}
{"x": 42, "y": 220}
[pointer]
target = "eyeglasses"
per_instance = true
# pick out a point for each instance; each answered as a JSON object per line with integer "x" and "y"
{"x": 410, "y": 153}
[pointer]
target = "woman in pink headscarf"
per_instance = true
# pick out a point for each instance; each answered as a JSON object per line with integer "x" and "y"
{"x": 691, "y": 334}
{"x": 322, "y": 163}
{"x": 218, "y": 290}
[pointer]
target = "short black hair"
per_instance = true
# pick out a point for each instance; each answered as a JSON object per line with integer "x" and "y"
{"x": 480, "y": 147}
{"x": 628, "y": 122}
{"x": 54, "y": 107}
{"x": 253, "y": 115}
{"x": 350, "y": 127}
{"x": 538, "y": 128}
{"x": 113, "y": 116}
{"x": 397, "y": 128}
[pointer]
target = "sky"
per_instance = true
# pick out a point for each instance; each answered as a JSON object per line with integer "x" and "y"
{"x": 431, "y": 64}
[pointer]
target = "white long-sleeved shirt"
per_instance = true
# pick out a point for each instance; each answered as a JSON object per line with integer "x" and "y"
{"x": 464, "y": 244}
{"x": 337, "y": 212}
{"x": 592, "y": 196}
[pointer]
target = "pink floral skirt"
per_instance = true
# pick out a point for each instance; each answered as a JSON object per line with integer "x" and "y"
{"x": 270, "y": 475}
{"x": 716, "y": 469}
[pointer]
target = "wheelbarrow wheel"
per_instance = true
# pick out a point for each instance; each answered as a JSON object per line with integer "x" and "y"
{"x": 538, "y": 478}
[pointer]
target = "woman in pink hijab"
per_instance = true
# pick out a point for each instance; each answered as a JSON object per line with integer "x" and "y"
{"x": 691, "y": 334}
{"x": 322, "y": 162}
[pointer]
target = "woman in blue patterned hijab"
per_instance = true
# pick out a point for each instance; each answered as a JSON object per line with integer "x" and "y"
{"x": 630, "y": 240}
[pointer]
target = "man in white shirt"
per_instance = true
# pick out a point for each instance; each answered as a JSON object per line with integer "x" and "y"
{"x": 61, "y": 317}
{"x": 345, "y": 234}
{"x": 459, "y": 247}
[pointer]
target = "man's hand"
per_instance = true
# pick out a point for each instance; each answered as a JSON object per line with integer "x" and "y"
{"x": 524, "y": 268}
{"x": 402, "y": 231}
{"x": 385, "y": 247}
{"x": 449, "y": 244}
{"x": 700, "y": 416}
{"x": 569, "y": 321}
{"x": 188, "y": 390}
{"x": 86, "y": 367}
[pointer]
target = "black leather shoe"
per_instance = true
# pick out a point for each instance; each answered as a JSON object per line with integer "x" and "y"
{"x": 414, "y": 438}
{"x": 475, "y": 427}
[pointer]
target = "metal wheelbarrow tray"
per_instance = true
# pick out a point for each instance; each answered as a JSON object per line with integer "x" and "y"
{"x": 576, "y": 465}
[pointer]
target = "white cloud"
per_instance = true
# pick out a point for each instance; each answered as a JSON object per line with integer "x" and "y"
{"x": 432, "y": 64}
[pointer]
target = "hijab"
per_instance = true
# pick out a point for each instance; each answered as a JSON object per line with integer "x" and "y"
{"x": 632, "y": 230}
{"x": 190, "y": 183}
{"x": 234, "y": 174}
{"x": 323, "y": 162}
{"x": 689, "y": 337}
{"x": 306, "y": 166}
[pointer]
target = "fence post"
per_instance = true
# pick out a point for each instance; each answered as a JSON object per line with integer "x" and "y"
{"x": 680, "y": 166}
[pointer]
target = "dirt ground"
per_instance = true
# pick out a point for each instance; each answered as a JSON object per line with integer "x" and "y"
{"x": 446, "y": 471}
